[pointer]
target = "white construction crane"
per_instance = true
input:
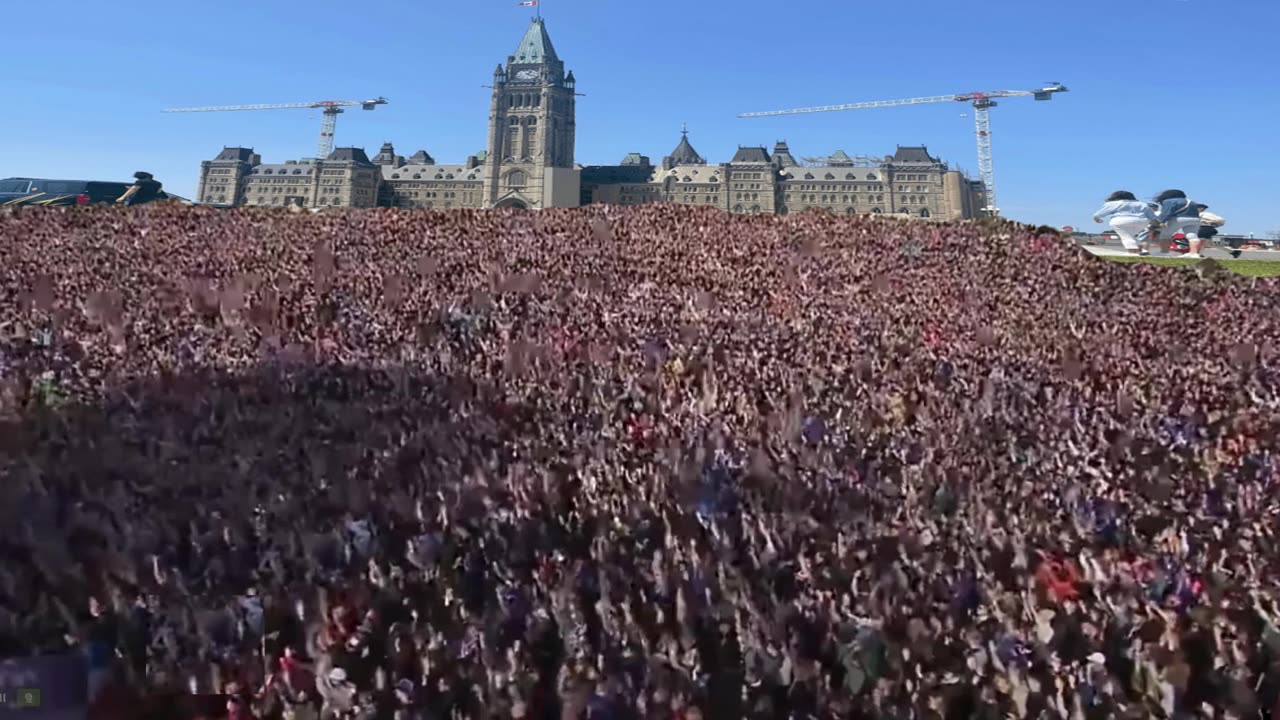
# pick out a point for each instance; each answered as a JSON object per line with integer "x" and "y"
{"x": 982, "y": 103}
{"x": 327, "y": 124}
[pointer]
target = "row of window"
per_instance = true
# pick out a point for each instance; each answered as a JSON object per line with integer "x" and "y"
{"x": 847, "y": 176}
{"x": 834, "y": 199}
{"x": 524, "y": 100}
{"x": 837, "y": 186}
{"x": 418, "y": 176}
{"x": 428, "y": 194}
{"x": 429, "y": 205}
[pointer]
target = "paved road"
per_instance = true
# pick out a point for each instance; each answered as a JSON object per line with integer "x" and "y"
{"x": 1210, "y": 252}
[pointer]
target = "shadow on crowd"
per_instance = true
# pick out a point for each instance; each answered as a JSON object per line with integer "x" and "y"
{"x": 661, "y": 462}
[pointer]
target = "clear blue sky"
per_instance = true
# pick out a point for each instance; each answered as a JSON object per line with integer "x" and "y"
{"x": 1164, "y": 93}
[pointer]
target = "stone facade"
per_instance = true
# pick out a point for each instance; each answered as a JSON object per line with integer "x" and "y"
{"x": 910, "y": 182}
{"x": 239, "y": 177}
{"x": 529, "y": 163}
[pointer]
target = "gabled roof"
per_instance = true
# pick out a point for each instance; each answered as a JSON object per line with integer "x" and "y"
{"x": 688, "y": 174}
{"x": 751, "y": 155}
{"x": 386, "y": 155}
{"x": 440, "y": 173}
{"x": 684, "y": 154}
{"x": 349, "y": 154}
{"x": 422, "y": 158}
{"x": 235, "y": 153}
{"x": 913, "y": 155}
{"x": 535, "y": 46}
{"x": 610, "y": 174}
{"x": 782, "y": 154}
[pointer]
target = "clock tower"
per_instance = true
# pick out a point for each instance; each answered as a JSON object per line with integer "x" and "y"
{"x": 529, "y": 163}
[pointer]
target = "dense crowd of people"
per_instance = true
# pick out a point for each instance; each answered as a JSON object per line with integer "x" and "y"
{"x": 659, "y": 462}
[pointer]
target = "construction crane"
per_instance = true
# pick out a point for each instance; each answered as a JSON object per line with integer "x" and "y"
{"x": 330, "y": 120}
{"x": 982, "y": 104}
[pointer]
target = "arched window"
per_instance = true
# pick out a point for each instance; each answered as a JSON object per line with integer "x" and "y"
{"x": 530, "y": 136}
{"x": 395, "y": 176}
{"x": 808, "y": 176}
{"x": 517, "y": 179}
{"x": 876, "y": 211}
{"x": 924, "y": 212}
{"x": 737, "y": 208}
{"x": 755, "y": 208}
{"x": 879, "y": 198}
{"x": 849, "y": 211}
{"x": 829, "y": 176}
{"x": 871, "y": 176}
{"x": 849, "y": 176}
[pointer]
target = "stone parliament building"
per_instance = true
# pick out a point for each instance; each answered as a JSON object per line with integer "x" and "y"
{"x": 529, "y": 164}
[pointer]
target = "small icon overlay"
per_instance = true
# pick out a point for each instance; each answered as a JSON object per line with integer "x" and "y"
{"x": 19, "y": 698}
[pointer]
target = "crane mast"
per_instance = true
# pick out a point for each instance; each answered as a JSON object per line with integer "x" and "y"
{"x": 328, "y": 122}
{"x": 982, "y": 103}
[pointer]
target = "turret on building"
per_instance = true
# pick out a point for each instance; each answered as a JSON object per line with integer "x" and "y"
{"x": 531, "y": 129}
{"x": 528, "y": 162}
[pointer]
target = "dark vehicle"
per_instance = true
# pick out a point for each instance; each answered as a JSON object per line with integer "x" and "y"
{"x": 34, "y": 191}
{"x": 39, "y": 191}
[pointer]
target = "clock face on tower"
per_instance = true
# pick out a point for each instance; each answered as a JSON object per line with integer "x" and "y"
{"x": 527, "y": 75}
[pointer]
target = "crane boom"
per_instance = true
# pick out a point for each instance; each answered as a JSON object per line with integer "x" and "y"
{"x": 982, "y": 103}
{"x": 327, "y": 125}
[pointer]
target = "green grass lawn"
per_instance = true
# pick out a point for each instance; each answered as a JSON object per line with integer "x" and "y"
{"x": 1248, "y": 268}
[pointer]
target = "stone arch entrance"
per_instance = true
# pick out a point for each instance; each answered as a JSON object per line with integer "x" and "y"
{"x": 513, "y": 204}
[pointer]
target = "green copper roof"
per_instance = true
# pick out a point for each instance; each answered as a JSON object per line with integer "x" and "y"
{"x": 535, "y": 46}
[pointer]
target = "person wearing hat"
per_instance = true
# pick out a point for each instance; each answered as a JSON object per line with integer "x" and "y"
{"x": 144, "y": 189}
